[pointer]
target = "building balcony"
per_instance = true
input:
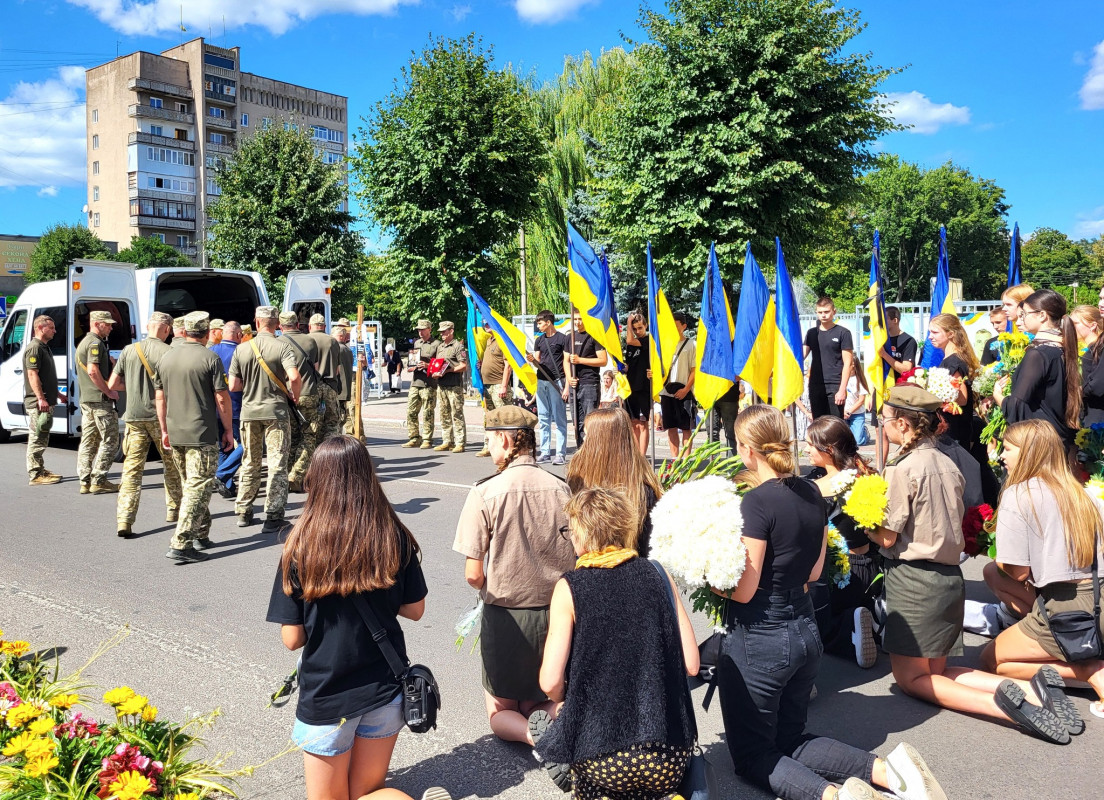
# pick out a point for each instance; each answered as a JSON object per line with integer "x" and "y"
{"x": 143, "y": 221}
{"x": 139, "y": 137}
{"x": 224, "y": 149}
{"x": 221, "y": 98}
{"x": 191, "y": 250}
{"x": 336, "y": 147}
{"x": 138, "y": 110}
{"x": 211, "y": 69}
{"x": 220, "y": 122}
{"x": 144, "y": 85}
{"x": 134, "y": 193}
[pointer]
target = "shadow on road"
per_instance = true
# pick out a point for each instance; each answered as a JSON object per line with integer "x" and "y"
{"x": 415, "y": 505}
{"x": 486, "y": 767}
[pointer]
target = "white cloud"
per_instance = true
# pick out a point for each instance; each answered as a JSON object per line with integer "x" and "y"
{"x": 1092, "y": 90}
{"x": 915, "y": 109}
{"x": 459, "y": 13}
{"x": 42, "y": 136}
{"x": 148, "y": 17}
{"x": 1090, "y": 225}
{"x": 48, "y": 191}
{"x": 538, "y": 11}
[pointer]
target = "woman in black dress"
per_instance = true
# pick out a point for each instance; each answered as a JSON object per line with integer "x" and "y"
{"x": 639, "y": 374}
{"x": 1087, "y": 323}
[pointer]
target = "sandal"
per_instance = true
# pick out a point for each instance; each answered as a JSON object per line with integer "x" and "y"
{"x": 1050, "y": 688}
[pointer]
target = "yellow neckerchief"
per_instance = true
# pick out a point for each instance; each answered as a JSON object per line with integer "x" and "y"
{"x": 606, "y": 558}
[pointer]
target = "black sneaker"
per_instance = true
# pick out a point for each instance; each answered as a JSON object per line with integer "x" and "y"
{"x": 1051, "y": 690}
{"x": 1035, "y": 720}
{"x": 225, "y": 490}
{"x": 189, "y": 555}
{"x": 539, "y": 722}
{"x": 203, "y": 544}
{"x": 273, "y": 525}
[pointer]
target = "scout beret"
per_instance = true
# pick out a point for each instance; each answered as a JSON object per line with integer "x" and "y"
{"x": 267, "y": 312}
{"x": 197, "y": 322}
{"x": 289, "y": 318}
{"x": 446, "y": 326}
{"x": 101, "y": 316}
{"x": 913, "y": 398}
{"x": 216, "y": 324}
{"x": 423, "y": 324}
{"x": 510, "y": 418}
{"x": 160, "y": 318}
{"x": 317, "y": 319}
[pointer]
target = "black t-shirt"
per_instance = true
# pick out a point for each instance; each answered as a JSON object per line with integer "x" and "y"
{"x": 551, "y": 349}
{"x": 903, "y": 348}
{"x": 990, "y": 353}
{"x": 960, "y": 426}
{"x": 789, "y": 514}
{"x": 637, "y": 364}
{"x": 826, "y": 348}
{"x": 586, "y": 347}
{"x": 1039, "y": 389}
{"x": 1092, "y": 388}
{"x": 344, "y": 673}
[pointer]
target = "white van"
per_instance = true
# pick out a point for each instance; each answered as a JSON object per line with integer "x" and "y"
{"x": 131, "y": 295}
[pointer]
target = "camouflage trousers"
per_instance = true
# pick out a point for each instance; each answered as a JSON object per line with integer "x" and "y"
{"x": 136, "y": 442}
{"x": 331, "y": 415}
{"x": 454, "y": 427}
{"x": 99, "y": 441}
{"x": 275, "y": 436}
{"x": 197, "y": 468}
{"x": 349, "y": 416}
{"x": 421, "y": 400}
{"x": 305, "y": 437}
{"x": 38, "y": 435}
{"x": 492, "y": 400}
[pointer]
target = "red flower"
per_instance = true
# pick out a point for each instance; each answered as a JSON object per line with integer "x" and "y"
{"x": 973, "y": 524}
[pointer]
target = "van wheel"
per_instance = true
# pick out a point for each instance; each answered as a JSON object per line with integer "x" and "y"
{"x": 5, "y": 435}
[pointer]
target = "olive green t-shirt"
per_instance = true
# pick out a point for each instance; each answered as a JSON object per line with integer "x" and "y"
{"x": 348, "y": 372}
{"x": 305, "y": 363}
{"x": 261, "y": 398}
{"x": 140, "y": 394}
{"x": 38, "y": 358}
{"x": 189, "y": 375}
{"x": 423, "y": 351}
{"x": 457, "y": 357}
{"x": 329, "y": 358}
{"x": 92, "y": 350}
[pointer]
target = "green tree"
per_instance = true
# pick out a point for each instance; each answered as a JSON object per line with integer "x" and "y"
{"x": 59, "y": 246}
{"x": 448, "y": 165}
{"x": 1094, "y": 251}
{"x": 282, "y": 208}
{"x": 740, "y": 120}
{"x": 1051, "y": 260}
{"x": 146, "y": 252}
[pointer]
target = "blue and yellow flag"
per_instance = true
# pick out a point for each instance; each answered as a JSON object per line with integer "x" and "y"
{"x": 879, "y": 374}
{"x": 1015, "y": 271}
{"x": 789, "y": 355}
{"x": 475, "y": 350}
{"x": 510, "y": 339}
{"x": 663, "y": 336}
{"x": 941, "y": 302}
{"x": 589, "y": 290}
{"x": 714, "y": 375}
{"x": 753, "y": 346}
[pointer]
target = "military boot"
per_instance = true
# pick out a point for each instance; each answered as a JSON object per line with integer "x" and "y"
{"x": 415, "y": 442}
{"x": 104, "y": 487}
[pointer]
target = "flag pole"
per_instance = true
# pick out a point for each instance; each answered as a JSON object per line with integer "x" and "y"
{"x": 793, "y": 420}
{"x": 359, "y": 373}
{"x": 571, "y": 376}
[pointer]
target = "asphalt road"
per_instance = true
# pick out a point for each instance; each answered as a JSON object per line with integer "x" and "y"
{"x": 198, "y": 641}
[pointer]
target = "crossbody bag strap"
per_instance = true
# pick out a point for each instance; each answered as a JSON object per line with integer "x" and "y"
{"x": 142, "y": 356}
{"x": 267, "y": 369}
{"x": 380, "y": 637}
{"x": 674, "y": 607}
{"x": 306, "y": 357}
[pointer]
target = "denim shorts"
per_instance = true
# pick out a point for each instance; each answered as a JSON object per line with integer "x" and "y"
{"x": 333, "y": 740}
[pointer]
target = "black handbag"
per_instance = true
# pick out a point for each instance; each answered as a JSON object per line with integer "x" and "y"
{"x": 1077, "y": 632}
{"x": 421, "y": 699}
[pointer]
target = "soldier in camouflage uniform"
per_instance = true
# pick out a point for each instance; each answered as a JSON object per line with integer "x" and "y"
{"x": 347, "y": 395}
{"x": 191, "y": 401}
{"x": 214, "y": 332}
{"x": 450, "y": 390}
{"x": 135, "y": 377}
{"x": 329, "y": 370}
{"x": 40, "y": 395}
{"x": 305, "y": 437}
{"x": 423, "y": 389}
{"x": 99, "y": 420}
{"x": 265, "y": 418}
{"x": 178, "y": 332}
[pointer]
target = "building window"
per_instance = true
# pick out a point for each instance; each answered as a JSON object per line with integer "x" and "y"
{"x": 266, "y": 123}
{"x": 95, "y": 115}
{"x": 181, "y": 241}
{"x": 182, "y": 134}
{"x": 156, "y": 130}
{"x": 158, "y": 236}
{"x": 156, "y": 102}
{"x": 96, "y": 220}
{"x": 95, "y": 141}
{"x": 95, "y": 194}
{"x": 215, "y": 111}
{"x": 245, "y": 121}
{"x": 182, "y": 108}
{"x": 95, "y": 167}
{"x": 216, "y": 138}
{"x": 218, "y": 61}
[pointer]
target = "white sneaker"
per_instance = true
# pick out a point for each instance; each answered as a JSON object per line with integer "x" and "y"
{"x": 856, "y": 789}
{"x": 436, "y": 793}
{"x": 862, "y": 637}
{"x": 909, "y": 777}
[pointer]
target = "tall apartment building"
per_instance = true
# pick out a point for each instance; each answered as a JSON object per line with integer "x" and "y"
{"x": 159, "y": 127}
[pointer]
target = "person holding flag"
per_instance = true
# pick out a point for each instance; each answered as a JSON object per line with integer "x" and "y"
{"x": 676, "y": 401}
{"x": 941, "y": 302}
{"x": 587, "y": 358}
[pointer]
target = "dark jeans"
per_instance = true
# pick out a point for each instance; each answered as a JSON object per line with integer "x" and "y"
{"x": 230, "y": 463}
{"x": 822, "y": 402}
{"x": 585, "y": 400}
{"x": 769, "y": 660}
{"x": 727, "y": 412}
{"x": 835, "y": 607}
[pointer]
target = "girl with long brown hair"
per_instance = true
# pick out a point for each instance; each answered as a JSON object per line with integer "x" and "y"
{"x": 609, "y": 458}
{"x": 347, "y": 551}
{"x": 1048, "y": 534}
{"x": 1089, "y": 326}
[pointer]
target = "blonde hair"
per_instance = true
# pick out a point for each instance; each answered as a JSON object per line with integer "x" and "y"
{"x": 1019, "y": 293}
{"x": 763, "y": 429}
{"x": 601, "y": 517}
{"x": 962, "y": 348}
{"x": 1046, "y": 460}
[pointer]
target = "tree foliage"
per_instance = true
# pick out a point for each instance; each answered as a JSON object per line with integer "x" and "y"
{"x": 281, "y": 208}
{"x": 58, "y": 247}
{"x": 1052, "y": 260}
{"x": 448, "y": 165}
{"x": 146, "y": 252}
{"x": 740, "y": 120}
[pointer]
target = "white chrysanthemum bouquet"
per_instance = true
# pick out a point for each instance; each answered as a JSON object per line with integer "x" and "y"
{"x": 696, "y": 528}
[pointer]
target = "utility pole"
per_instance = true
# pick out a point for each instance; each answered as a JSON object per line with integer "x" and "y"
{"x": 524, "y": 289}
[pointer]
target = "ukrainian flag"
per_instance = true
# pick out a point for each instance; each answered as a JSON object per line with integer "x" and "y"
{"x": 663, "y": 336}
{"x": 789, "y": 355}
{"x": 753, "y": 347}
{"x": 589, "y": 290}
{"x": 941, "y": 302}
{"x": 714, "y": 375}
{"x": 879, "y": 373}
{"x": 510, "y": 339}
{"x": 476, "y": 344}
{"x": 1015, "y": 273}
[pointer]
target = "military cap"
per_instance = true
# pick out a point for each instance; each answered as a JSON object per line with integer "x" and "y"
{"x": 247, "y": 330}
{"x": 343, "y": 323}
{"x": 289, "y": 318}
{"x": 913, "y": 398}
{"x": 178, "y": 323}
{"x": 101, "y": 316}
{"x": 445, "y": 326}
{"x": 510, "y": 418}
{"x": 216, "y": 324}
{"x": 197, "y": 322}
{"x": 160, "y": 318}
{"x": 317, "y": 319}
{"x": 423, "y": 324}
{"x": 267, "y": 312}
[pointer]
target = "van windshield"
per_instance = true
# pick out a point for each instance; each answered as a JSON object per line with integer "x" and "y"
{"x": 224, "y": 296}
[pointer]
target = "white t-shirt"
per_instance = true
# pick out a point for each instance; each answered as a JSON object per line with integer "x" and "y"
{"x": 681, "y": 366}
{"x": 854, "y": 392}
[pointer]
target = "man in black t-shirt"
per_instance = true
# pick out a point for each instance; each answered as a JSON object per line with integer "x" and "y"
{"x": 990, "y": 353}
{"x": 900, "y": 349}
{"x": 588, "y": 359}
{"x": 550, "y": 357}
{"x": 833, "y": 360}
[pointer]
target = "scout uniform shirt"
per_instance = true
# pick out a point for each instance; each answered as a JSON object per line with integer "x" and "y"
{"x": 261, "y": 398}
{"x": 457, "y": 356}
{"x": 306, "y": 356}
{"x": 140, "y": 393}
{"x": 925, "y": 507}
{"x": 92, "y": 350}
{"x": 189, "y": 375}
{"x": 423, "y": 351}
{"x": 329, "y": 358}
{"x": 37, "y": 357}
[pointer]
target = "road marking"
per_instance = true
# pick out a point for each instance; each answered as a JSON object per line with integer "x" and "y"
{"x": 432, "y": 483}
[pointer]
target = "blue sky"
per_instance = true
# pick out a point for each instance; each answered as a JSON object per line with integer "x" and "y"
{"x": 1013, "y": 91}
